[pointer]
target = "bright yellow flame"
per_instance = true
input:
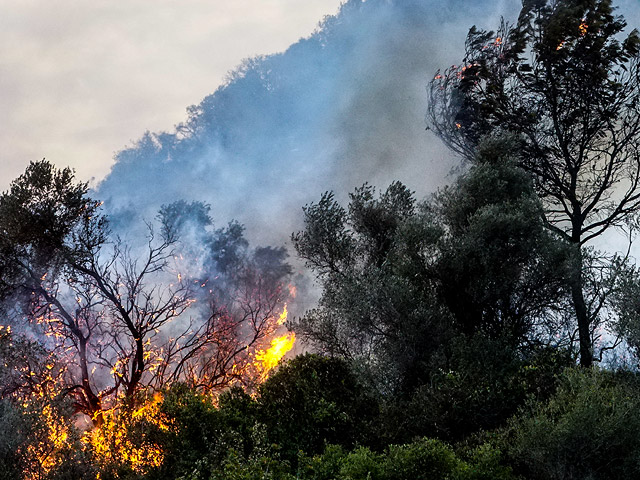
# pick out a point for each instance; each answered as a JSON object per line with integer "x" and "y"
{"x": 283, "y": 315}
{"x": 111, "y": 443}
{"x": 46, "y": 450}
{"x": 279, "y": 347}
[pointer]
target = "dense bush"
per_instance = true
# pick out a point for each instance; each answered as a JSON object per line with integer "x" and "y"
{"x": 483, "y": 385}
{"x": 202, "y": 433}
{"x": 422, "y": 460}
{"x": 312, "y": 401}
{"x": 589, "y": 429}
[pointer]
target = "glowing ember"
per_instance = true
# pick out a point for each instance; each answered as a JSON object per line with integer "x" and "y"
{"x": 583, "y": 29}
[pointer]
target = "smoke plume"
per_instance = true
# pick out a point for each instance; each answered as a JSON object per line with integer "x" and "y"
{"x": 339, "y": 108}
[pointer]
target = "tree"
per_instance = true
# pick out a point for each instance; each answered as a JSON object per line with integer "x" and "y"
{"x": 500, "y": 272}
{"x": 401, "y": 280}
{"x": 117, "y": 314}
{"x": 377, "y": 305}
{"x": 568, "y": 85}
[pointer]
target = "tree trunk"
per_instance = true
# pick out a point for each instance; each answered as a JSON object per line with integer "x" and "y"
{"x": 580, "y": 308}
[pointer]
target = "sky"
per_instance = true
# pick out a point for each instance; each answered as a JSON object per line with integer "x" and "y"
{"x": 80, "y": 81}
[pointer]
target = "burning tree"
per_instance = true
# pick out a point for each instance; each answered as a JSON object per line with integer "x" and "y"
{"x": 123, "y": 318}
{"x": 566, "y": 83}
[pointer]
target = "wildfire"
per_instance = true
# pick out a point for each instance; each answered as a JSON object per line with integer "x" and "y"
{"x": 267, "y": 360}
{"x": 279, "y": 347}
{"x": 111, "y": 442}
{"x": 583, "y": 29}
{"x": 283, "y": 315}
{"x": 47, "y": 448}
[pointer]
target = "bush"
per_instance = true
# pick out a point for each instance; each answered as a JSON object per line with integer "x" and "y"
{"x": 202, "y": 434}
{"x": 312, "y": 401}
{"x": 590, "y": 428}
{"x": 483, "y": 386}
{"x": 425, "y": 459}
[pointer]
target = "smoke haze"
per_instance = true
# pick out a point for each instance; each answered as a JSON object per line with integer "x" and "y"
{"x": 339, "y": 108}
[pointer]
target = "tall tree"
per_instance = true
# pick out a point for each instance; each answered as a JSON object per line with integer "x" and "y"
{"x": 566, "y": 81}
{"x": 400, "y": 279}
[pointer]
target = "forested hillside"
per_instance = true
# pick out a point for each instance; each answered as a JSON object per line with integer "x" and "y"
{"x": 475, "y": 333}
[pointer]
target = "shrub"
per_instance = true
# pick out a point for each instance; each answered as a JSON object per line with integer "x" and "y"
{"x": 590, "y": 428}
{"x": 312, "y": 401}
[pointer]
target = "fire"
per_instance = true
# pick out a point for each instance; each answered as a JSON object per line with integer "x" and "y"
{"x": 47, "y": 449}
{"x": 283, "y": 315}
{"x": 583, "y": 29}
{"x": 112, "y": 443}
{"x": 280, "y": 346}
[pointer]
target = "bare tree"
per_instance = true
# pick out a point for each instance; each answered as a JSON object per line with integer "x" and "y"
{"x": 123, "y": 318}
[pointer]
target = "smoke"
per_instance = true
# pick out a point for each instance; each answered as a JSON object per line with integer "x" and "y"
{"x": 342, "y": 107}
{"x": 339, "y": 108}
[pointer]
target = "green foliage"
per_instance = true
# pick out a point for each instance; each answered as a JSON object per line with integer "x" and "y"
{"x": 485, "y": 384}
{"x": 312, "y": 401}
{"x": 426, "y": 459}
{"x": 500, "y": 270}
{"x": 46, "y": 219}
{"x": 202, "y": 434}
{"x": 626, "y": 304}
{"x": 15, "y": 427}
{"x": 402, "y": 280}
{"x": 588, "y": 429}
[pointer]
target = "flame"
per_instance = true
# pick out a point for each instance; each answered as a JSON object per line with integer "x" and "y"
{"x": 111, "y": 443}
{"x": 583, "y": 28}
{"x": 283, "y": 315}
{"x": 279, "y": 347}
{"x": 46, "y": 450}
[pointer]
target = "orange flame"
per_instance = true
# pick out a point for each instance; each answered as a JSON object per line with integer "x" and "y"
{"x": 283, "y": 316}
{"x": 583, "y": 28}
{"x": 46, "y": 449}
